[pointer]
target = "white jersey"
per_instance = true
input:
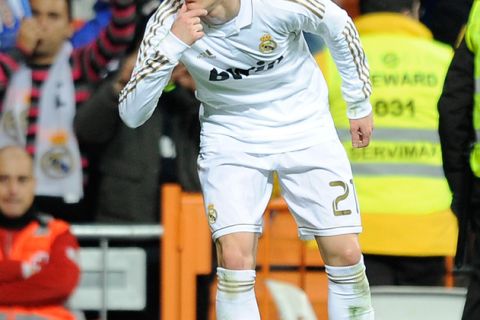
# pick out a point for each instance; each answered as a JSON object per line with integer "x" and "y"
{"x": 260, "y": 88}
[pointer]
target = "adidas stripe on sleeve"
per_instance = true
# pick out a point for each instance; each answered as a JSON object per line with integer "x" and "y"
{"x": 158, "y": 54}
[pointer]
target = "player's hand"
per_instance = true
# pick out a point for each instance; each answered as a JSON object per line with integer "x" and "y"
{"x": 361, "y": 131}
{"x": 29, "y": 35}
{"x": 187, "y": 26}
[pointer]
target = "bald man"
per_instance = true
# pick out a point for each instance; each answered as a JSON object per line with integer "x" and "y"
{"x": 38, "y": 271}
{"x": 17, "y": 183}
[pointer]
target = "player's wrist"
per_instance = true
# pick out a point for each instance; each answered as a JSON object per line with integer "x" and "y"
{"x": 173, "y": 47}
{"x": 359, "y": 110}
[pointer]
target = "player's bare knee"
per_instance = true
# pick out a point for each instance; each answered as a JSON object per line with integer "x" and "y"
{"x": 236, "y": 259}
{"x": 351, "y": 256}
{"x": 237, "y": 251}
{"x": 345, "y": 257}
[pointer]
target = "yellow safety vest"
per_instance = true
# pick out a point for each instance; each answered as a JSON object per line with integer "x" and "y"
{"x": 403, "y": 194}
{"x": 472, "y": 37}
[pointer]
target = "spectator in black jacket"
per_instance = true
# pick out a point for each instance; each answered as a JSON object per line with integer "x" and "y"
{"x": 457, "y": 135}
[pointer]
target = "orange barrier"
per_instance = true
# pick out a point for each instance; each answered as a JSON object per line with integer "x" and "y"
{"x": 186, "y": 253}
{"x": 449, "y": 277}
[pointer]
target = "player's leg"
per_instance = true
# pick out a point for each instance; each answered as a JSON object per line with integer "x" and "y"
{"x": 318, "y": 187}
{"x": 236, "y": 189}
{"x": 236, "y": 276}
{"x": 348, "y": 288}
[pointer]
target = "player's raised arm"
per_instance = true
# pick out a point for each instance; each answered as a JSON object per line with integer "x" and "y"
{"x": 170, "y": 31}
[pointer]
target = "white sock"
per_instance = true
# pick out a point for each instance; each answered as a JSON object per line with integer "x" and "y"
{"x": 349, "y": 293}
{"x": 236, "y": 295}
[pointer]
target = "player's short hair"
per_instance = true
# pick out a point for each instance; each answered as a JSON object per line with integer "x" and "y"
{"x": 371, "y": 6}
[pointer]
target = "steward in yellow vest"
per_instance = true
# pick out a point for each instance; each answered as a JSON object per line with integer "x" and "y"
{"x": 403, "y": 195}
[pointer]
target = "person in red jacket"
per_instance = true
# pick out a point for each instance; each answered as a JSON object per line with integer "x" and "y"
{"x": 38, "y": 268}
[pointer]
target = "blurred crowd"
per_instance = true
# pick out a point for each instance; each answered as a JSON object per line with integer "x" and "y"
{"x": 59, "y": 84}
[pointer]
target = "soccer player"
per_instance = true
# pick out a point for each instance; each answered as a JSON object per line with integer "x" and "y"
{"x": 265, "y": 109}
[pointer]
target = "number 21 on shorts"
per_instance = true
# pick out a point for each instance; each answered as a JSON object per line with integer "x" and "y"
{"x": 344, "y": 190}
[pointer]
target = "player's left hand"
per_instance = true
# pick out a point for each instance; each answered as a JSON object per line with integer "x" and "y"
{"x": 361, "y": 131}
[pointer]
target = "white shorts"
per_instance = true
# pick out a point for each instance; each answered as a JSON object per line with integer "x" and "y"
{"x": 316, "y": 183}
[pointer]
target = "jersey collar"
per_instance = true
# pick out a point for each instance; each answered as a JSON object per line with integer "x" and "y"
{"x": 245, "y": 15}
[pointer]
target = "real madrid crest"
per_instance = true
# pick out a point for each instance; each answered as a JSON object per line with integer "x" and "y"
{"x": 267, "y": 44}
{"x": 212, "y": 214}
{"x": 58, "y": 161}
